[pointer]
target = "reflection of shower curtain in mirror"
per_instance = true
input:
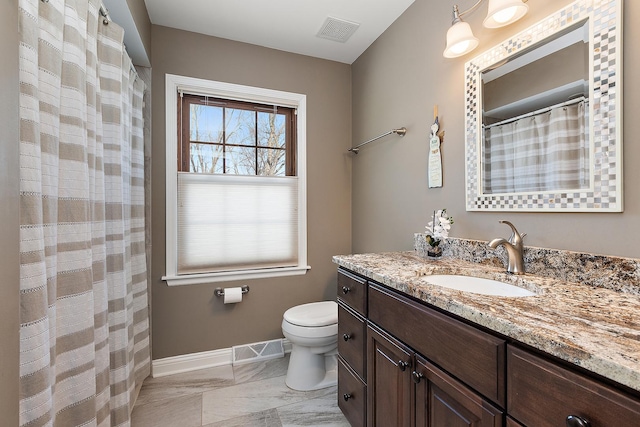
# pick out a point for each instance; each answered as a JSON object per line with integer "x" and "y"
{"x": 543, "y": 152}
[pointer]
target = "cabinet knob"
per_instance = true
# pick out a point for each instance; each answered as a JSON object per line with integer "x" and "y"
{"x": 576, "y": 421}
{"x": 346, "y": 396}
{"x": 403, "y": 365}
{"x": 345, "y": 290}
{"x": 417, "y": 376}
{"x": 346, "y": 337}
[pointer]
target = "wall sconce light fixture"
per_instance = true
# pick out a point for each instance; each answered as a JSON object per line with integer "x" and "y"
{"x": 460, "y": 38}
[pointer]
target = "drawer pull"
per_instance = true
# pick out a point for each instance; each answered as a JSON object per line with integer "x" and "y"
{"x": 403, "y": 365}
{"x": 346, "y": 337}
{"x": 417, "y": 377}
{"x": 576, "y": 421}
{"x": 345, "y": 289}
{"x": 347, "y": 396}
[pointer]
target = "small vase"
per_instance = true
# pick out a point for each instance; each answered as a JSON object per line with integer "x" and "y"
{"x": 434, "y": 252}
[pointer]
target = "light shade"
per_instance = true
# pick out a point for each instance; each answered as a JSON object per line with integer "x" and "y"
{"x": 504, "y": 12}
{"x": 460, "y": 40}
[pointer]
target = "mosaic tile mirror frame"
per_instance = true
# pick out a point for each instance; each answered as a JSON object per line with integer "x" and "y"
{"x": 604, "y": 192}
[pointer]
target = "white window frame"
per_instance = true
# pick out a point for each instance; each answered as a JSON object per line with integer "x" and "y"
{"x": 174, "y": 83}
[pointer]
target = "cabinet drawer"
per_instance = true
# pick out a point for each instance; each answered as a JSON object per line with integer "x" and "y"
{"x": 542, "y": 393}
{"x": 353, "y": 290}
{"x": 352, "y": 395}
{"x": 352, "y": 342}
{"x": 474, "y": 357}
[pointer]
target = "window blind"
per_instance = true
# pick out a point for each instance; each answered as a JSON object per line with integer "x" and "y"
{"x": 235, "y": 222}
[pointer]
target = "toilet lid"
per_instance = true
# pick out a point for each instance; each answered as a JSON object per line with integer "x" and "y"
{"x": 313, "y": 314}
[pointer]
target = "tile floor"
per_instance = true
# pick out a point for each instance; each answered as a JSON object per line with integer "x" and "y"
{"x": 242, "y": 396}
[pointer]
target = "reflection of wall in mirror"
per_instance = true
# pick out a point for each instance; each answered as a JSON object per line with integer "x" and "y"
{"x": 550, "y": 80}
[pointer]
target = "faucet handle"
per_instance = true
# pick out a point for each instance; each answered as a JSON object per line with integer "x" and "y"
{"x": 516, "y": 237}
{"x": 513, "y": 236}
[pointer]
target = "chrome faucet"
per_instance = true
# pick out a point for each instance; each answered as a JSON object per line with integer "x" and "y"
{"x": 514, "y": 247}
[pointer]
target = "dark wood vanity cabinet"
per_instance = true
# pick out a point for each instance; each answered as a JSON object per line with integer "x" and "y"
{"x": 385, "y": 342}
{"x": 352, "y": 347}
{"x": 420, "y": 367}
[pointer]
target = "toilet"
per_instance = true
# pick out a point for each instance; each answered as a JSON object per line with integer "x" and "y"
{"x": 312, "y": 330}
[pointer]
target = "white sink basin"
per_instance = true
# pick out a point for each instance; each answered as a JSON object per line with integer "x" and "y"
{"x": 478, "y": 285}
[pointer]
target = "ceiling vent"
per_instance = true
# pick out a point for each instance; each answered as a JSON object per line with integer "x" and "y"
{"x": 337, "y": 30}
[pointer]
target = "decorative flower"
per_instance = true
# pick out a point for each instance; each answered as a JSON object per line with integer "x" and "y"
{"x": 438, "y": 229}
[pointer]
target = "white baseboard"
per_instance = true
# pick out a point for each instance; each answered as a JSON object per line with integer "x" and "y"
{"x": 190, "y": 362}
{"x": 195, "y": 361}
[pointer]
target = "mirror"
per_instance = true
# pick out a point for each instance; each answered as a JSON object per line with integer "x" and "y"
{"x": 535, "y": 110}
{"x": 544, "y": 115}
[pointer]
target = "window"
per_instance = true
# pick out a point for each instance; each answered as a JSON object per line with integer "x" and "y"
{"x": 231, "y": 137}
{"x": 236, "y": 201}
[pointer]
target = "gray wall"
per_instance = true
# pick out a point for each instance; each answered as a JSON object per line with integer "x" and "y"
{"x": 545, "y": 74}
{"x": 397, "y": 81}
{"x": 142, "y": 22}
{"x": 188, "y": 319}
{"x": 9, "y": 215}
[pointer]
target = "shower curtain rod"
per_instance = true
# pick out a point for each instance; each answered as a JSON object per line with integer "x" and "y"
{"x": 533, "y": 113}
{"x": 402, "y": 131}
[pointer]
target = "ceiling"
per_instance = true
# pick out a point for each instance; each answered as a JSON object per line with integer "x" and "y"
{"x": 288, "y": 25}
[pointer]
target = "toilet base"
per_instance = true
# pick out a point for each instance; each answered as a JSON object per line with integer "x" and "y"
{"x": 309, "y": 371}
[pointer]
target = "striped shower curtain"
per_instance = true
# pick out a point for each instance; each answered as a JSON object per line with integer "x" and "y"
{"x": 548, "y": 151}
{"x": 84, "y": 333}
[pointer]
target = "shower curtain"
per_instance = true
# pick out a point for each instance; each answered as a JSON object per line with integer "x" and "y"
{"x": 544, "y": 152}
{"x": 84, "y": 328}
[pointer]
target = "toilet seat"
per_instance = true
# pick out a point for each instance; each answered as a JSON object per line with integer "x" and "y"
{"x": 313, "y": 315}
{"x": 310, "y": 331}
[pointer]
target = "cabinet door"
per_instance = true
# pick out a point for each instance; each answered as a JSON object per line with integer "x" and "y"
{"x": 388, "y": 381}
{"x": 443, "y": 401}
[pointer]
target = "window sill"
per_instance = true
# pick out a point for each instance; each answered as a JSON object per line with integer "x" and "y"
{"x": 227, "y": 276}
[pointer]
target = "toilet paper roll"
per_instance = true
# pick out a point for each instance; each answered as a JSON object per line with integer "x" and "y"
{"x": 232, "y": 295}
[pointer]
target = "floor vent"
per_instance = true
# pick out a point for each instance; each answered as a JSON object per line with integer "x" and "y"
{"x": 258, "y": 351}
{"x": 337, "y": 30}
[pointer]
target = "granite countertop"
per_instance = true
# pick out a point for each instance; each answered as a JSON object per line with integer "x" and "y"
{"x": 595, "y": 328}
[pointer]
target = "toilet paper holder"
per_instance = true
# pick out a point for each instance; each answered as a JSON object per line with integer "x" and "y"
{"x": 220, "y": 291}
